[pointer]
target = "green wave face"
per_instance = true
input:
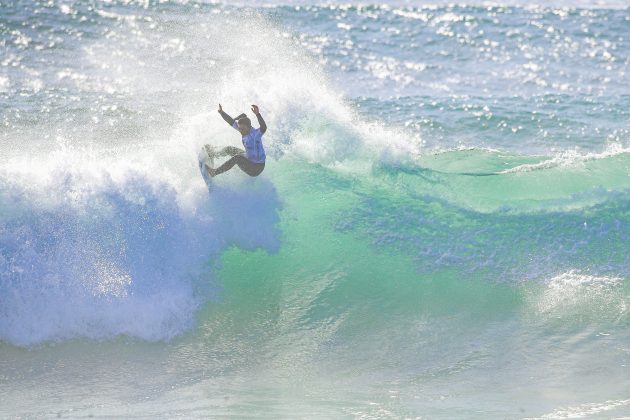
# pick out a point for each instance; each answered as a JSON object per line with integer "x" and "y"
{"x": 386, "y": 291}
{"x": 441, "y": 229}
{"x": 401, "y": 238}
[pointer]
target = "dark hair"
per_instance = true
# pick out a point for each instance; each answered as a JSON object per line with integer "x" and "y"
{"x": 244, "y": 121}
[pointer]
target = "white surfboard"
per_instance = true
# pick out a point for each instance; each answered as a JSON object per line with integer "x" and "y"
{"x": 206, "y": 155}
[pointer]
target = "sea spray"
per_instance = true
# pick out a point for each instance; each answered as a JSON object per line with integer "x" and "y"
{"x": 440, "y": 230}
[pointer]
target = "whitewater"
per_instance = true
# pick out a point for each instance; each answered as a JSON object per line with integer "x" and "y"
{"x": 441, "y": 230}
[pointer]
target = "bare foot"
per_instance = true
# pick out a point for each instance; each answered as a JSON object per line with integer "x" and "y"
{"x": 210, "y": 170}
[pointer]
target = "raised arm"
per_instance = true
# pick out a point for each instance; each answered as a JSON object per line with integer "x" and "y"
{"x": 225, "y": 116}
{"x": 261, "y": 122}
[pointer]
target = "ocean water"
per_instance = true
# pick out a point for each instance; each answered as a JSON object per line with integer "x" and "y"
{"x": 442, "y": 229}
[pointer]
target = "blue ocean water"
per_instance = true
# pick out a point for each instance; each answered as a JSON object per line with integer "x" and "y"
{"x": 441, "y": 229}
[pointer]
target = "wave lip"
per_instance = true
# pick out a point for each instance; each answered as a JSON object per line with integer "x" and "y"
{"x": 569, "y": 158}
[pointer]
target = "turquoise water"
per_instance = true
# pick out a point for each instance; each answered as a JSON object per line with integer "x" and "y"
{"x": 441, "y": 230}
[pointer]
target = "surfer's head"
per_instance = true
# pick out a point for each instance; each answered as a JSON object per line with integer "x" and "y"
{"x": 244, "y": 125}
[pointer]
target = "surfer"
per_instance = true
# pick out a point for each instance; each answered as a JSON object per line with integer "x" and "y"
{"x": 252, "y": 159}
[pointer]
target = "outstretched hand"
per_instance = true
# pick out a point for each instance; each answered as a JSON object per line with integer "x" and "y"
{"x": 220, "y": 108}
{"x": 255, "y": 109}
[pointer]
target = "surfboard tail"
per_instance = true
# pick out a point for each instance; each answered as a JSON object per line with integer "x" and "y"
{"x": 205, "y": 158}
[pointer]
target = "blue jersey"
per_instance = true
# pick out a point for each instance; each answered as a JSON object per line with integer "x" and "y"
{"x": 252, "y": 142}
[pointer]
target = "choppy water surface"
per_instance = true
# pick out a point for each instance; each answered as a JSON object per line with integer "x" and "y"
{"x": 441, "y": 230}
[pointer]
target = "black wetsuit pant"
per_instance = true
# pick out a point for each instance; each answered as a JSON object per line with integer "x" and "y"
{"x": 246, "y": 165}
{"x": 238, "y": 158}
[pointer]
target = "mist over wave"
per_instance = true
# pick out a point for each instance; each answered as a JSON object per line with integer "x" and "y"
{"x": 441, "y": 228}
{"x": 87, "y": 255}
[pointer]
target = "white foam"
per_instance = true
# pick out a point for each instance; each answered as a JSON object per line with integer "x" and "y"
{"x": 94, "y": 250}
{"x": 4, "y": 84}
{"x": 586, "y": 410}
{"x": 575, "y": 292}
{"x": 570, "y": 158}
